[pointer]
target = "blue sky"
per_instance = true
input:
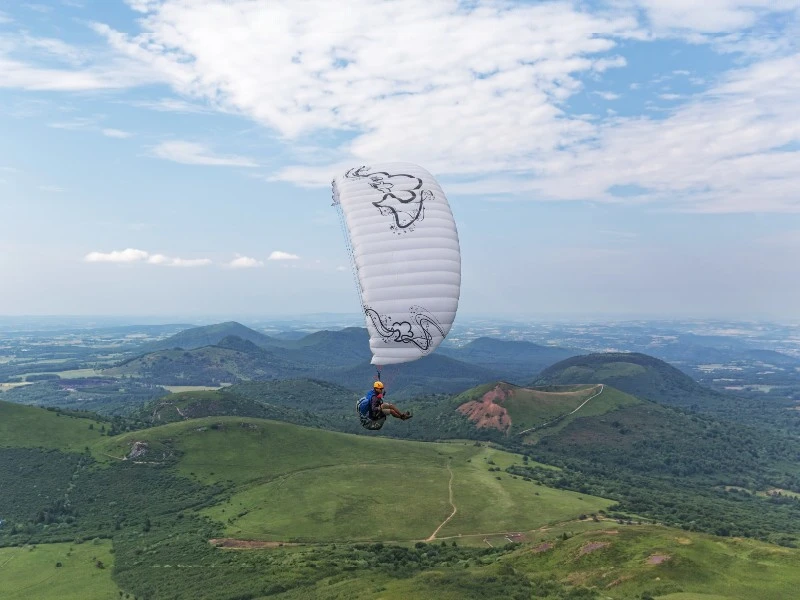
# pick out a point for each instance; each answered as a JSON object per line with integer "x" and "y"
{"x": 634, "y": 158}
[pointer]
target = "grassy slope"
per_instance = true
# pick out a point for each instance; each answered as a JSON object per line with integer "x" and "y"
{"x": 533, "y": 408}
{"x": 696, "y": 564}
{"x": 30, "y": 572}
{"x": 527, "y": 406}
{"x": 638, "y": 374}
{"x": 620, "y": 567}
{"x": 294, "y": 482}
{"x": 29, "y": 427}
{"x": 341, "y": 474}
{"x": 609, "y": 401}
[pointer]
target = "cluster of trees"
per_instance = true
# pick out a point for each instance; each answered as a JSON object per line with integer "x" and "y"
{"x": 52, "y": 496}
{"x": 104, "y": 396}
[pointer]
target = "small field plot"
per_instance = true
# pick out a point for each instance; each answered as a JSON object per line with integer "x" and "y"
{"x": 30, "y": 427}
{"x": 58, "y": 572}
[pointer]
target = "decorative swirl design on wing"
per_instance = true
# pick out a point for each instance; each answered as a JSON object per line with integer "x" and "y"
{"x": 403, "y": 197}
{"x": 421, "y": 329}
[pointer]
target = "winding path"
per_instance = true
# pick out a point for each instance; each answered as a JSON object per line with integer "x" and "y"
{"x": 455, "y": 510}
{"x": 602, "y": 386}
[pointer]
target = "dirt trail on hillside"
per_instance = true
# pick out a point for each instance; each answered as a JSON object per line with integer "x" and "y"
{"x": 455, "y": 509}
{"x": 568, "y": 414}
{"x": 247, "y": 544}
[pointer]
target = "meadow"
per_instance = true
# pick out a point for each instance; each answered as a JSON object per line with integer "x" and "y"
{"x": 289, "y": 483}
{"x": 357, "y": 514}
{"x": 58, "y": 572}
{"x": 29, "y": 427}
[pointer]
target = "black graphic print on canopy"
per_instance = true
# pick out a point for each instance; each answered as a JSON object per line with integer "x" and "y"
{"x": 403, "y": 196}
{"x": 420, "y": 329}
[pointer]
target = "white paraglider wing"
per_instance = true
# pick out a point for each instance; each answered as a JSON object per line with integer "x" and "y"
{"x": 405, "y": 251}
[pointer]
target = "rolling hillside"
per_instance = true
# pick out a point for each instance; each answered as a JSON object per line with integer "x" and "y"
{"x": 209, "y": 335}
{"x": 311, "y": 513}
{"x": 517, "y": 361}
{"x": 293, "y": 483}
{"x": 183, "y": 406}
{"x": 641, "y": 375}
{"x": 234, "y": 359}
{"x": 515, "y": 410}
{"x": 336, "y": 357}
{"x": 30, "y": 427}
{"x": 432, "y": 374}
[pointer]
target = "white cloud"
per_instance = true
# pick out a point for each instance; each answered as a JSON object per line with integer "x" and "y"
{"x": 607, "y": 95}
{"x": 727, "y": 150}
{"x": 489, "y": 97}
{"x": 4, "y": 18}
{"x": 116, "y": 133}
{"x": 716, "y": 16}
{"x": 90, "y": 123}
{"x": 171, "y": 105}
{"x": 17, "y": 74}
{"x": 279, "y": 255}
{"x": 82, "y": 70}
{"x": 158, "y": 259}
{"x": 117, "y": 256}
{"x": 245, "y": 262}
{"x": 132, "y": 255}
{"x": 477, "y": 89}
{"x": 53, "y": 189}
{"x": 54, "y": 48}
{"x": 75, "y": 124}
{"x": 189, "y": 262}
{"x": 190, "y": 153}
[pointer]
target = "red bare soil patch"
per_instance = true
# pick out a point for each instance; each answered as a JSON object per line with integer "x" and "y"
{"x": 542, "y": 548}
{"x": 486, "y": 413}
{"x": 591, "y": 547}
{"x": 246, "y": 544}
{"x": 657, "y": 559}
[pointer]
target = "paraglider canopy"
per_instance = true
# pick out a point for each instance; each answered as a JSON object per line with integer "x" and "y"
{"x": 405, "y": 253}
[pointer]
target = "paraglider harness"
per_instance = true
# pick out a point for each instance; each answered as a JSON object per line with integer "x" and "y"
{"x": 370, "y": 419}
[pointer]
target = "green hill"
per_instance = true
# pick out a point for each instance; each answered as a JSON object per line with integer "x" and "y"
{"x": 198, "y": 404}
{"x": 209, "y": 335}
{"x": 637, "y": 374}
{"x": 344, "y": 347}
{"x": 234, "y": 359}
{"x": 516, "y": 360}
{"x": 382, "y": 518}
{"x": 513, "y": 409}
{"x": 312, "y": 395}
{"x": 292, "y": 482}
{"x": 58, "y": 572}
{"x": 675, "y": 467}
{"x": 106, "y": 396}
{"x": 657, "y": 562}
{"x": 431, "y": 374}
{"x": 30, "y": 427}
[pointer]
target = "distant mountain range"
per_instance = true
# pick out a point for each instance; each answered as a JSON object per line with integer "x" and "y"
{"x": 515, "y": 360}
{"x": 231, "y": 352}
